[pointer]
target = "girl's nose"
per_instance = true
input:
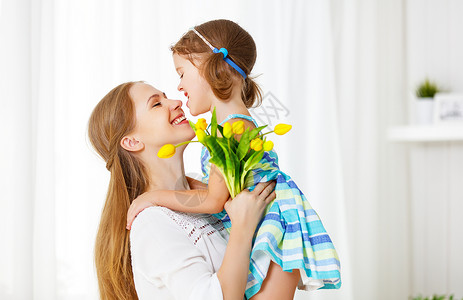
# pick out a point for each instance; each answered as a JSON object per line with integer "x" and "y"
{"x": 179, "y": 87}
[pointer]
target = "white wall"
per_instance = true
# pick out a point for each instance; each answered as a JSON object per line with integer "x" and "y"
{"x": 434, "y": 43}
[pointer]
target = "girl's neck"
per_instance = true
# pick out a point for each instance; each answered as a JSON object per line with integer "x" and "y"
{"x": 234, "y": 105}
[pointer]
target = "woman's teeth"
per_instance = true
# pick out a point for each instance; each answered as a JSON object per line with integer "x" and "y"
{"x": 178, "y": 120}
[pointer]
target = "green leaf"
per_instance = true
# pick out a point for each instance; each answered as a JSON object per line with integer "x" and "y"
{"x": 256, "y": 131}
{"x": 192, "y": 125}
{"x": 247, "y": 156}
{"x": 249, "y": 164}
{"x": 244, "y": 144}
{"x": 217, "y": 155}
{"x": 230, "y": 171}
{"x": 253, "y": 160}
{"x": 246, "y": 137}
{"x": 427, "y": 89}
{"x": 233, "y": 144}
{"x": 214, "y": 124}
{"x": 237, "y": 166}
{"x": 220, "y": 127}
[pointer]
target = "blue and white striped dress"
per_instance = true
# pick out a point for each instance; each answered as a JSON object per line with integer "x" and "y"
{"x": 290, "y": 233}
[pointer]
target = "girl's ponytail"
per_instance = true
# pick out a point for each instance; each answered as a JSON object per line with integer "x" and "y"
{"x": 217, "y": 74}
{"x": 251, "y": 93}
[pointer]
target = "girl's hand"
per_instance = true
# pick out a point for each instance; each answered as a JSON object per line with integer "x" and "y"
{"x": 245, "y": 211}
{"x": 138, "y": 205}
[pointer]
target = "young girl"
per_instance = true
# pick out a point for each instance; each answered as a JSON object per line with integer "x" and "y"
{"x": 291, "y": 247}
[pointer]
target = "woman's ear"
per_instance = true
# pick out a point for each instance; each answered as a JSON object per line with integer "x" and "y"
{"x": 129, "y": 143}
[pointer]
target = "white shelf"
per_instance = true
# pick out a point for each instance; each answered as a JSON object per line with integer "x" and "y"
{"x": 426, "y": 133}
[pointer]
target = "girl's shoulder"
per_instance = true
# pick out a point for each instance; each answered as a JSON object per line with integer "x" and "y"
{"x": 247, "y": 119}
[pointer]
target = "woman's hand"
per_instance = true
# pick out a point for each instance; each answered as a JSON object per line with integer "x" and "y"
{"x": 245, "y": 211}
{"x": 138, "y": 205}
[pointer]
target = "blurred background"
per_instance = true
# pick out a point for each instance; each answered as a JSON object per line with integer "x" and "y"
{"x": 386, "y": 183}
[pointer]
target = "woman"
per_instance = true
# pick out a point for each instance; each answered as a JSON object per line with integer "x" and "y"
{"x": 174, "y": 255}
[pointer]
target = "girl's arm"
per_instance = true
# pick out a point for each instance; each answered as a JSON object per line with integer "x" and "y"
{"x": 209, "y": 201}
{"x": 195, "y": 184}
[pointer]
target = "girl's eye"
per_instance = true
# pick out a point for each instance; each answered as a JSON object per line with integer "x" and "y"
{"x": 181, "y": 76}
{"x": 156, "y": 104}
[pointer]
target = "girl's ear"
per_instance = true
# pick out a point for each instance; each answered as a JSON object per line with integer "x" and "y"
{"x": 129, "y": 143}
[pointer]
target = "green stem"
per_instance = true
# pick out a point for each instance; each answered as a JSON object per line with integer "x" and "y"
{"x": 184, "y": 143}
{"x": 267, "y": 133}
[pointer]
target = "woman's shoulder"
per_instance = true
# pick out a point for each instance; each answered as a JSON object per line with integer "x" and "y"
{"x": 152, "y": 219}
{"x": 150, "y": 213}
{"x": 159, "y": 215}
{"x": 160, "y": 218}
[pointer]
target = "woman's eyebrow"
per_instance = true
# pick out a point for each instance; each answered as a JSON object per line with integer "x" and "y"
{"x": 155, "y": 96}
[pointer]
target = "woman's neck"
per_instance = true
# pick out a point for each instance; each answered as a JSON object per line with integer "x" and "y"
{"x": 167, "y": 174}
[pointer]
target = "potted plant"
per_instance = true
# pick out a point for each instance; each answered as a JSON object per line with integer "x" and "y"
{"x": 435, "y": 297}
{"x": 424, "y": 104}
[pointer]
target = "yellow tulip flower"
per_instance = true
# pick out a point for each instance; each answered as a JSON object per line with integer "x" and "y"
{"x": 227, "y": 130}
{"x": 166, "y": 151}
{"x": 281, "y": 129}
{"x": 200, "y": 134}
{"x": 268, "y": 146}
{"x": 238, "y": 127}
{"x": 256, "y": 144}
{"x": 201, "y": 124}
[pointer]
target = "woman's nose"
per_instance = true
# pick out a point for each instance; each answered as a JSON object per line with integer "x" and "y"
{"x": 175, "y": 104}
{"x": 179, "y": 87}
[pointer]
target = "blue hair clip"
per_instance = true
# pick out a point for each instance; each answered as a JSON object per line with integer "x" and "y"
{"x": 229, "y": 61}
{"x": 224, "y": 52}
{"x": 221, "y": 50}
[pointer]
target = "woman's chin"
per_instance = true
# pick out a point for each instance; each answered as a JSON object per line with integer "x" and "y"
{"x": 188, "y": 135}
{"x": 181, "y": 133}
{"x": 191, "y": 134}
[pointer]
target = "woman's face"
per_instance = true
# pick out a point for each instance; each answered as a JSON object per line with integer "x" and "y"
{"x": 193, "y": 85}
{"x": 159, "y": 120}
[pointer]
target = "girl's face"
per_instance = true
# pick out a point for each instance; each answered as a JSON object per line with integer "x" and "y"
{"x": 194, "y": 86}
{"x": 159, "y": 120}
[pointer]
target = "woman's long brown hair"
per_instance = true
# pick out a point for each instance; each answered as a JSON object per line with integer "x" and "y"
{"x": 111, "y": 120}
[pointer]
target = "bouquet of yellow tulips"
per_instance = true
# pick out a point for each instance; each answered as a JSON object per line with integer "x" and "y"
{"x": 235, "y": 159}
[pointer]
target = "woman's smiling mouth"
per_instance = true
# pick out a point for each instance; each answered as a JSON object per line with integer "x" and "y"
{"x": 179, "y": 120}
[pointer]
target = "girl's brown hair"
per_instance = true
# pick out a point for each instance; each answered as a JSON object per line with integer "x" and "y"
{"x": 218, "y": 73}
{"x": 111, "y": 120}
